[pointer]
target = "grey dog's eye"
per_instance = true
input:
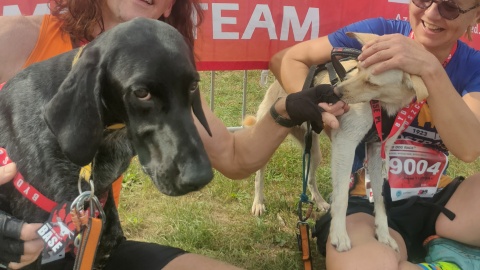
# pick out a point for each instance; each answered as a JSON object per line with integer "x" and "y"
{"x": 142, "y": 94}
{"x": 194, "y": 87}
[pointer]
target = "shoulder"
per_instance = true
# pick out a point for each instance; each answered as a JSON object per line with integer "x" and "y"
{"x": 464, "y": 70}
{"x": 18, "y": 36}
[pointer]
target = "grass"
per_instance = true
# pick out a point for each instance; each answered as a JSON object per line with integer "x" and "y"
{"x": 216, "y": 221}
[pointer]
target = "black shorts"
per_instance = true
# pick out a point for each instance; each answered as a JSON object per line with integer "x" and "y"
{"x": 129, "y": 255}
{"x": 413, "y": 218}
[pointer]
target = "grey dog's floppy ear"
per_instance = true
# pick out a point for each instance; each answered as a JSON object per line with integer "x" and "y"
{"x": 74, "y": 114}
{"x": 198, "y": 111}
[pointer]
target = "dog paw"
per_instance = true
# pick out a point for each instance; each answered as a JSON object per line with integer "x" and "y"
{"x": 323, "y": 206}
{"x": 341, "y": 242}
{"x": 258, "y": 209}
{"x": 387, "y": 240}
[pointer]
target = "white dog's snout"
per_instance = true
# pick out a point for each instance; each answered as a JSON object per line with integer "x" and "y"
{"x": 338, "y": 91}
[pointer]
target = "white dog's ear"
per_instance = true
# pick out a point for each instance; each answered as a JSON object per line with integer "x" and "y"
{"x": 362, "y": 37}
{"x": 417, "y": 84}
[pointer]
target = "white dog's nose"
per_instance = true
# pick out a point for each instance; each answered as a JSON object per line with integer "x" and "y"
{"x": 338, "y": 91}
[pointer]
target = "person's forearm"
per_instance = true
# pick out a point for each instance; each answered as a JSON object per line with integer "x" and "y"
{"x": 237, "y": 155}
{"x": 457, "y": 125}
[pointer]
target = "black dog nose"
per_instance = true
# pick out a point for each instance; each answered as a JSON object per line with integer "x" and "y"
{"x": 196, "y": 180}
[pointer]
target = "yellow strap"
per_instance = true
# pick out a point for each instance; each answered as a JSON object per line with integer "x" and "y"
{"x": 86, "y": 172}
{"x": 75, "y": 59}
{"x": 116, "y": 126}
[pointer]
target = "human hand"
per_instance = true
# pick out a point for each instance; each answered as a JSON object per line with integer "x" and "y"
{"x": 7, "y": 173}
{"x": 313, "y": 104}
{"x": 397, "y": 51}
{"x": 19, "y": 243}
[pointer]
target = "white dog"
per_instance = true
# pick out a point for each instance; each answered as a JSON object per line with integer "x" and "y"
{"x": 258, "y": 208}
{"x": 274, "y": 92}
{"x": 394, "y": 90}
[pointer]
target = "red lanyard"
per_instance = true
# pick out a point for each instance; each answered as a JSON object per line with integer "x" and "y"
{"x": 405, "y": 116}
{"x": 450, "y": 55}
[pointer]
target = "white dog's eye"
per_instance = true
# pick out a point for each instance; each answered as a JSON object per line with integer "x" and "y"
{"x": 142, "y": 94}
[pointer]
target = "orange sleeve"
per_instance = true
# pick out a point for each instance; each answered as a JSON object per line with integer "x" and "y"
{"x": 52, "y": 41}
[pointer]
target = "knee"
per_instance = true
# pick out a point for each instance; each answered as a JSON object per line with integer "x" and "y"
{"x": 361, "y": 230}
{"x": 361, "y": 257}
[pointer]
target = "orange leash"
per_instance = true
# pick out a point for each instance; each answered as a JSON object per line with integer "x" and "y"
{"x": 304, "y": 244}
{"x": 89, "y": 223}
{"x": 88, "y": 248}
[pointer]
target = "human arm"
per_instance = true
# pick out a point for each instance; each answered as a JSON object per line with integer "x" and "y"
{"x": 291, "y": 66}
{"x": 19, "y": 243}
{"x": 18, "y": 36}
{"x": 456, "y": 118}
{"x": 238, "y": 154}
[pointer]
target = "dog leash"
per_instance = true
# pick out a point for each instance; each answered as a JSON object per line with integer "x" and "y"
{"x": 336, "y": 71}
{"x": 303, "y": 235}
{"x": 90, "y": 226}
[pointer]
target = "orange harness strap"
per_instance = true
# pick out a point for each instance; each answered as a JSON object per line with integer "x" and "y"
{"x": 88, "y": 248}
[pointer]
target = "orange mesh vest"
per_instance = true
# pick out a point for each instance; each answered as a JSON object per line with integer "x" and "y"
{"x": 53, "y": 41}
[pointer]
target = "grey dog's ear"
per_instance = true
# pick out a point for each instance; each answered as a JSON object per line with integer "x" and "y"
{"x": 198, "y": 110}
{"x": 74, "y": 114}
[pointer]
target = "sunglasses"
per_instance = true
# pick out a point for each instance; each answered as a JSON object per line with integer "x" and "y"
{"x": 448, "y": 9}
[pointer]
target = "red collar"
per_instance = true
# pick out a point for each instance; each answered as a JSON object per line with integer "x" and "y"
{"x": 31, "y": 193}
{"x": 26, "y": 189}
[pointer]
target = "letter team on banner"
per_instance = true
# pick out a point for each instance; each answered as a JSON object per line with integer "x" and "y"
{"x": 244, "y": 34}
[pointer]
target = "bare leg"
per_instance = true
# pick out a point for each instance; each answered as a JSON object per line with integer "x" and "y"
{"x": 367, "y": 252}
{"x": 191, "y": 261}
{"x": 464, "y": 203}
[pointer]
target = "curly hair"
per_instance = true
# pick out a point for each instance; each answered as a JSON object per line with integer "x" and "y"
{"x": 81, "y": 17}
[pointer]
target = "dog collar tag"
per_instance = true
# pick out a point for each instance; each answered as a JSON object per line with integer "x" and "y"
{"x": 58, "y": 232}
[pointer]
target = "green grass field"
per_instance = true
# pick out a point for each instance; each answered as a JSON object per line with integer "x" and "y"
{"x": 216, "y": 221}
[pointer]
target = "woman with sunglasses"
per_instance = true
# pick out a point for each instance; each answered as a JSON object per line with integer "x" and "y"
{"x": 428, "y": 46}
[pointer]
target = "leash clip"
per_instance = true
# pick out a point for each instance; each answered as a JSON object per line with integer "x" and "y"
{"x": 308, "y": 212}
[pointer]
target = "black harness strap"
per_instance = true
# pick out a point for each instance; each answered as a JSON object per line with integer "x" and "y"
{"x": 342, "y": 53}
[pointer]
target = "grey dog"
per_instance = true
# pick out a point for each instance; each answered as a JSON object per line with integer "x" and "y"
{"x": 54, "y": 117}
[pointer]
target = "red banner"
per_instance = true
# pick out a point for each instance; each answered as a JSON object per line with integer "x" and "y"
{"x": 245, "y": 34}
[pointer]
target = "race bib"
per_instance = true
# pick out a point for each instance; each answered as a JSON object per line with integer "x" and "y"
{"x": 414, "y": 170}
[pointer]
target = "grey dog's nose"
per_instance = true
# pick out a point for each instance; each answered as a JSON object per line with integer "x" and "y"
{"x": 196, "y": 180}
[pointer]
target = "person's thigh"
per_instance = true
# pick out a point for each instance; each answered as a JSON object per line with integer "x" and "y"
{"x": 366, "y": 252}
{"x": 197, "y": 262}
{"x": 141, "y": 255}
{"x": 464, "y": 203}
